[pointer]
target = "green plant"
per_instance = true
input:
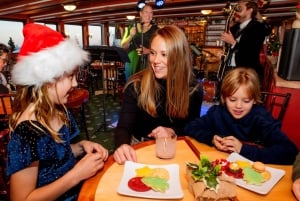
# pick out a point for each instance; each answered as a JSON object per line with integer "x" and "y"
{"x": 207, "y": 172}
{"x": 11, "y": 44}
{"x": 273, "y": 45}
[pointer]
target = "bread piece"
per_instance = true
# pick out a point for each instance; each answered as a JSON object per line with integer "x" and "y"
{"x": 259, "y": 167}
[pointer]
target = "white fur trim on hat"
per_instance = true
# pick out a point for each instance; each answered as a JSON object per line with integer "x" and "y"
{"x": 49, "y": 63}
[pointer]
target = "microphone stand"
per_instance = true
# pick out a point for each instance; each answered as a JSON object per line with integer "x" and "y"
{"x": 104, "y": 123}
{"x": 142, "y": 41}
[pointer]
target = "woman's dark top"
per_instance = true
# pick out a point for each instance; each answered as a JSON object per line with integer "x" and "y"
{"x": 133, "y": 120}
{"x": 29, "y": 144}
{"x": 141, "y": 38}
{"x": 258, "y": 127}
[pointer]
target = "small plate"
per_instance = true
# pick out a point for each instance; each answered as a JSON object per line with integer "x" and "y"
{"x": 174, "y": 191}
{"x": 276, "y": 175}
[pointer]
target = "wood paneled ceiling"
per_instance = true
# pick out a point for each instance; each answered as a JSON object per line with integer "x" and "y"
{"x": 115, "y": 11}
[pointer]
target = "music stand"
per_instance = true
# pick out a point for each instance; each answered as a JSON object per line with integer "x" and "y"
{"x": 106, "y": 53}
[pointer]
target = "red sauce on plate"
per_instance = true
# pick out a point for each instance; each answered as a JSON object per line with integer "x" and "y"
{"x": 136, "y": 184}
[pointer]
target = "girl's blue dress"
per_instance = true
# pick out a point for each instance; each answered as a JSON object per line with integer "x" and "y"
{"x": 28, "y": 143}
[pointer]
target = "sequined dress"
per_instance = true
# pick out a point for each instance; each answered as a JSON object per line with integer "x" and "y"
{"x": 29, "y": 144}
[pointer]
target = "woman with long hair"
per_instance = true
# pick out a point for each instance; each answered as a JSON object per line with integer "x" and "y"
{"x": 161, "y": 99}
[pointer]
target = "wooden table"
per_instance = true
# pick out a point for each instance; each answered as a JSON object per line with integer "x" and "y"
{"x": 104, "y": 185}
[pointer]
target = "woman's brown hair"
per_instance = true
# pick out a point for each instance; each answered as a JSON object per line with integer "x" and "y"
{"x": 178, "y": 80}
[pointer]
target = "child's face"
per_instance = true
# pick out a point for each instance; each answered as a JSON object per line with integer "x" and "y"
{"x": 63, "y": 86}
{"x": 239, "y": 104}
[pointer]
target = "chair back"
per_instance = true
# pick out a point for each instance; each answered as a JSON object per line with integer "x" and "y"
{"x": 276, "y": 103}
{"x": 83, "y": 78}
{"x": 5, "y": 111}
{"x": 5, "y": 108}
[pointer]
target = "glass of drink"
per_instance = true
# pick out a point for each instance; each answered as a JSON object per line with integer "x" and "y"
{"x": 165, "y": 147}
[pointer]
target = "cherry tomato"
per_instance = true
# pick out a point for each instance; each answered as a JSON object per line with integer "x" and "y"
{"x": 136, "y": 184}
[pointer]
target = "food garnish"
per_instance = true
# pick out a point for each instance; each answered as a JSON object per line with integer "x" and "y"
{"x": 207, "y": 172}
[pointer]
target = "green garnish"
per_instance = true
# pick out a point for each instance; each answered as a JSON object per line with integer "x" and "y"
{"x": 207, "y": 172}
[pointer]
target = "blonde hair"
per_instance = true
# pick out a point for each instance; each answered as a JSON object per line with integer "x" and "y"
{"x": 43, "y": 108}
{"x": 178, "y": 80}
{"x": 241, "y": 76}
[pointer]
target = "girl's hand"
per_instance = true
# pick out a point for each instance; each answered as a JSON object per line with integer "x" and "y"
{"x": 92, "y": 147}
{"x": 88, "y": 166}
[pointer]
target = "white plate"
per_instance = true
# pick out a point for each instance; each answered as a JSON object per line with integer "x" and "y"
{"x": 276, "y": 175}
{"x": 174, "y": 191}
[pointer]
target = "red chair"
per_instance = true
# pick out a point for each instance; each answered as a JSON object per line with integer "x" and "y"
{"x": 76, "y": 104}
{"x": 276, "y": 103}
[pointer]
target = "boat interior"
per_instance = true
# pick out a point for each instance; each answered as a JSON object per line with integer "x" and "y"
{"x": 115, "y": 11}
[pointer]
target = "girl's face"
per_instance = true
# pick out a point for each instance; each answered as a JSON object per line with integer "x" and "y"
{"x": 158, "y": 57}
{"x": 239, "y": 104}
{"x": 59, "y": 91}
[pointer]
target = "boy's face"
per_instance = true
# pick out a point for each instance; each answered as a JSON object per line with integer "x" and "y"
{"x": 239, "y": 104}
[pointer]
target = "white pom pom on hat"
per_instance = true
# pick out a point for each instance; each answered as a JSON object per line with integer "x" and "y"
{"x": 45, "y": 55}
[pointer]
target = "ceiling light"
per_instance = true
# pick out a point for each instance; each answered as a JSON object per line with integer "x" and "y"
{"x": 70, "y": 7}
{"x": 141, "y": 4}
{"x": 130, "y": 17}
{"x": 159, "y": 3}
{"x": 206, "y": 12}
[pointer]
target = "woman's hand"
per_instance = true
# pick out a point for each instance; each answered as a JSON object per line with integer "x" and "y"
{"x": 296, "y": 188}
{"x": 227, "y": 144}
{"x": 132, "y": 31}
{"x": 161, "y": 131}
{"x": 124, "y": 153}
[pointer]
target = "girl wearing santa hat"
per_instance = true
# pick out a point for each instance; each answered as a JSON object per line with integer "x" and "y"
{"x": 42, "y": 163}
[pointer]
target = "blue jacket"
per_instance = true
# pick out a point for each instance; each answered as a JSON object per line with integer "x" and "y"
{"x": 258, "y": 127}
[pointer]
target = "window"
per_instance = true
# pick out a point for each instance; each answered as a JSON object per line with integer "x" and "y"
{"x": 95, "y": 35}
{"x": 11, "y": 29}
{"x": 74, "y": 32}
{"x": 112, "y": 35}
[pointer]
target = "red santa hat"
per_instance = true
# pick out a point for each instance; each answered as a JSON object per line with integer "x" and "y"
{"x": 45, "y": 55}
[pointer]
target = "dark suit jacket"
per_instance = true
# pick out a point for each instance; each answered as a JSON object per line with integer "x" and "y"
{"x": 247, "y": 50}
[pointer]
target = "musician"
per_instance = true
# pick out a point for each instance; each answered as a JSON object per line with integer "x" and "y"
{"x": 136, "y": 41}
{"x": 246, "y": 37}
